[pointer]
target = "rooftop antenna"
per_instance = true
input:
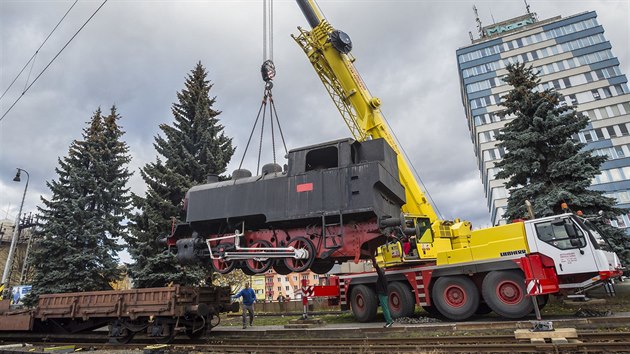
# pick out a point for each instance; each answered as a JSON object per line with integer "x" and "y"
{"x": 472, "y": 39}
{"x": 529, "y": 12}
{"x": 479, "y": 27}
{"x": 493, "y": 21}
{"x": 527, "y": 7}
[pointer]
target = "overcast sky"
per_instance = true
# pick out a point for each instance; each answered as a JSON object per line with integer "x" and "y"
{"x": 136, "y": 55}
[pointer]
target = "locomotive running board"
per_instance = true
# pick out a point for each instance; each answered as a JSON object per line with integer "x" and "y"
{"x": 259, "y": 254}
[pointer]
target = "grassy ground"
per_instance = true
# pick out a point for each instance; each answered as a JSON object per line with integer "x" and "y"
{"x": 555, "y": 307}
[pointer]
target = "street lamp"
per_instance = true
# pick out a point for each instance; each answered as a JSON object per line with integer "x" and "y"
{"x": 14, "y": 239}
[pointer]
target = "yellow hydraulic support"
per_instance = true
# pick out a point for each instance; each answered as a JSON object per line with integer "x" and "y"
{"x": 329, "y": 52}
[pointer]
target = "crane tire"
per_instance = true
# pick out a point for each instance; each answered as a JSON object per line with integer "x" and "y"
{"x": 401, "y": 300}
{"x": 455, "y": 297}
{"x": 483, "y": 309}
{"x": 504, "y": 291}
{"x": 431, "y": 310}
{"x": 364, "y": 303}
{"x": 543, "y": 300}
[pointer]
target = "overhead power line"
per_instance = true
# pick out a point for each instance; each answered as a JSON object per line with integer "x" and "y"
{"x": 52, "y": 60}
{"x": 37, "y": 51}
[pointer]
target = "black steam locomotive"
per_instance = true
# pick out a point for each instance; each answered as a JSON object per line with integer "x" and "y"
{"x": 331, "y": 201}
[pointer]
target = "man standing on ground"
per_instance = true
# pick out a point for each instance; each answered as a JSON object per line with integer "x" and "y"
{"x": 381, "y": 291}
{"x": 281, "y": 301}
{"x": 249, "y": 296}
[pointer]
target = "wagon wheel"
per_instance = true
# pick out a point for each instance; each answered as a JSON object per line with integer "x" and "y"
{"x": 222, "y": 266}
{"x": 259, "y": 264}
{"x": 300, "y": 265}
{"x": 118, "y": 334}
{"x": 163, "y": 332}
{"x": 195, "y": 334}
{"x": 197, "y": 328}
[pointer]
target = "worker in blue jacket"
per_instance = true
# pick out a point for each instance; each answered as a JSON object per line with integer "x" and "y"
{"x": 249, "y": 296}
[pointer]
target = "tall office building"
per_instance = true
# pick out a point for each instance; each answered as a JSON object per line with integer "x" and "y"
{"x": 571, "y": 55}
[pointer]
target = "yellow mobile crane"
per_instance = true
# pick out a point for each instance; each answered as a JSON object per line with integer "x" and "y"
{"x": 457, "y": 271}
{"x": 329, "y": 52}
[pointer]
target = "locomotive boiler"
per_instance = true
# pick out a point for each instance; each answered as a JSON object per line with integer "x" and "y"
{"x": 329, "y": 204}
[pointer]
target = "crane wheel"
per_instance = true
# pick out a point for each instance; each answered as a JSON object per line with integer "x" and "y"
{"x": 431, "y": 310}
{"x": 364, "y": 303}
{"x": 259, "y": 265}
{"x": 401, "y": 300}
{"x": 455, "y": 297}
{"x": 504, "y": 291}
{"x": 483, "y": 309}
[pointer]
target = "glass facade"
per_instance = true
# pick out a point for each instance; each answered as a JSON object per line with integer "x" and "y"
{"x": 571, "y": 55}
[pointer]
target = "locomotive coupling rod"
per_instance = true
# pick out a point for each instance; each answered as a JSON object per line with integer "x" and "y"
{"x": 254, "y": 253}
{"x": 266, "y": 253}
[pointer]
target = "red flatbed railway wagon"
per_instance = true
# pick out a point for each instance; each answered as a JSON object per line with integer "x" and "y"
{"x": 160, "y": 312}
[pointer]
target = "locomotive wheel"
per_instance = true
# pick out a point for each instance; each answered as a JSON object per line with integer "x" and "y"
{"x": 322, "y": 266}
{"x": 222, "y": 266}
{"x": 246, "y": 270}
{"x": 456, "y": 297}
{"x": 401, "y": 300}
{"x": 364, "y": 303}
{"x": 259, "y": 265}
{"x": 300, "y": 265}
{"x": 280, "y": 268}
{"x": 504, "y": 291}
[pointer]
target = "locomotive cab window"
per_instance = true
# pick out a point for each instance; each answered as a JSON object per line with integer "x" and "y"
{"x": 562, "y": 234}
{"x": 323, "y": 158}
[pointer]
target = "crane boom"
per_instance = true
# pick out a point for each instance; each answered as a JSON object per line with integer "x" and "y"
{"x": 329, "y": 52}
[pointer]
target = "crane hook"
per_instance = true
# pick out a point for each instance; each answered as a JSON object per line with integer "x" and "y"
{"x": 268, "y": 71}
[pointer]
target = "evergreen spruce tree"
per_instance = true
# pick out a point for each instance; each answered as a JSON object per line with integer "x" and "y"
{"x": 77, "y": 249}
{"x": 543, "y": 164}
{"x": 191, "y": 149}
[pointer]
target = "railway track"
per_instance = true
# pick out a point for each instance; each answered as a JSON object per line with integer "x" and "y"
{"x": 608, "y": 342}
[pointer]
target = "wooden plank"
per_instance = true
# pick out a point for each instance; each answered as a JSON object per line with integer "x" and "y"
{"x": 557, "y": 333}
